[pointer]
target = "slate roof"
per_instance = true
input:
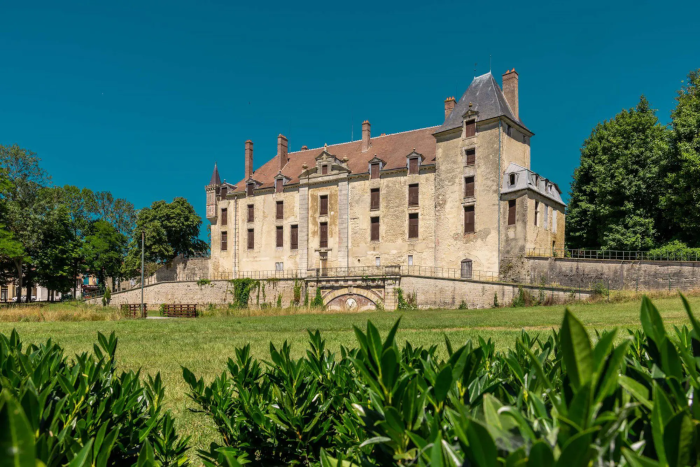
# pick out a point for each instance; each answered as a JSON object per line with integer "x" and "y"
{"x": 392, "y": 149}
{"x": 215, "y": 179}
{"x": 528, "y": 180}
{"x": 486, "y": 97}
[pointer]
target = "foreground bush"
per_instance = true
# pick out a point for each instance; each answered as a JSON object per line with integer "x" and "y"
{"x": 559, "y": 400}
{"x": 81, "y": 412}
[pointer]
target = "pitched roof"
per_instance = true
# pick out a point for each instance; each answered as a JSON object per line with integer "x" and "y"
{"x": 392, "y": 149}
{"x": 215, "y": 179}
{"x": 530, "y": 181}
{"x": 486, "y": 97}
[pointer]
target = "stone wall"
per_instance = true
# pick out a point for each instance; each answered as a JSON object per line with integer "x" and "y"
{"x": 617, "y": 275}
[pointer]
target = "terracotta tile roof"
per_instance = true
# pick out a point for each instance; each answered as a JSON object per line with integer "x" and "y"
{"x": 392, "y": 149}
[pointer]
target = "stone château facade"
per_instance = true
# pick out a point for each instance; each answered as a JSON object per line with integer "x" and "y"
{"x": 459, "y": 195}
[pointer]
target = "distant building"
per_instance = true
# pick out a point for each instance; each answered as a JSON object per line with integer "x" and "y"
{"x": 457, "y": 195}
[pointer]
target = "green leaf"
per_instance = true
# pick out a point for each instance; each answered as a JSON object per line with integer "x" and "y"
{"x": 577, "y": 451}
{"x": 443, "y": 382}
{"x": 84, "y": 457}
{"x": 693, "y": 320}
{"x": 636, "y": 389}
{"x": 16, "y": 437}
{"x": 389, "y": 368}
{"x": 541, "y": 455}
{"x": 635, "y": 460}
{"x": 576, "y": 350}
{"x": 652, "y": 323}
{"x": 482, "y": 449}
{"x": 678, "y": 440}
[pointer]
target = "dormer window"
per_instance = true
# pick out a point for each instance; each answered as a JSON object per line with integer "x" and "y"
{"x": 324, "y": 169}
{"x": 279, "y": 184}
{"x": 413, "y": 164}
{"x": 374, "y": 170}
{"x": 509, "y": 130}
{"x": 249, "y": 189}
{"x": 511, "y": 179}
{"x": 224, "y": 192}
{"x": 469, "y": 128}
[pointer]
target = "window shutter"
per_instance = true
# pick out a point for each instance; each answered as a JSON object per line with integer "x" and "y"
{"x": 251, "y": 239}
{"x": 249, "y": 189}
{"x": 413, "y": 195}
{"x": 224, "y": 216}
{"x": 251, "y": 213}
{"x": 295, "y": 237}
{"x": 470, "y": 129}
{"x": 537, "y": 212}
{"x": 413, "y": 165}
{"x": 224, "y": 241}
{"x": 324, "y": 205}
{"x": 375, "y": 229}
{"x": 324, "y": 235}
{"x": 280, "y": 210}
{"x": 471, "y": 156}
{"x": 324, "y": 170}
{"x": 224, "y": 192}
{"x": 413, "y": 225}
{"x": 280, "y": 236}
{"x": 279, "y": 185}
{"x": 511, "y": 212}
{"x": 374, "y": 199}
{"x": 469, "y": 219}
{"x": 469, "y": 187}
{"x": 466, "y": 269}
{"x": 374, "y": 170}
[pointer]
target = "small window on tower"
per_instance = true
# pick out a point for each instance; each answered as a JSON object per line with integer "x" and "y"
{"x": 224, "y": 191}
{"x": 224, "y": 216}
{"x": 413, "y": 225}
{"x": 280, "y": 210}
{"x": 413, "y": 195}
{"x": 374, "y": 199}
{"x": 413, "y": 165}
{"x": 470, "y": 156}
{"x": 374, "y": 234}
{"x": 251, "y": 213}
{"x": 251, "y": 239}
{"x": 469, "y": 128}
{"x": 280, "y": 236}
{"x": 323, "y": 205}
{"x": 294, "y": 240}
{"x": 468, "y": 187}
{"x": 224, "y": 241}
{"x": 511, "y": 212}
{"x": 511, "y": 179}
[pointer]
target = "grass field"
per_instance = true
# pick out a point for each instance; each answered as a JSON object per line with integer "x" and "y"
{"x": 204, "y": 345}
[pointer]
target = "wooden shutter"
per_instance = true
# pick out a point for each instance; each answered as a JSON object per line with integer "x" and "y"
{"x": 375, "y": 229}
{"x": 413, "y": 225}
{"x": 323, "y": 207}
{"x": 224, "y": 241}
{"x": 469, "y": 129}
{"x": 466, "y": 269}
{"x": 224, "y": 216}
{"x": 278, "y": 185}
{"x": 280, "y": 236}
{"x": 224, "y": 192}
{"x": 511, "y": 212}
{"x": 324, "y": 235}
{"x": 471, "y": 156}
{"x": 413, "y": 165}
{"x": 280, "y": 210}
{"x": 294, "y": 241}
{"x": 413, "y": 195}
{"x": 469, "y": 219}
{"x": 251, "y": 239}
{"x": 249, "y": 189}
{"x": 374, "y": 170}
{"x": 537, "y": 212}
{"x": 324, "y": 170}
{"x": 374, "y": 199}
{"x": 469, "y": 187}
{"x": 251, "y": 213}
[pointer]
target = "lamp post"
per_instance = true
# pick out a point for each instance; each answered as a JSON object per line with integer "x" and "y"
{"x": 143, "y": 241}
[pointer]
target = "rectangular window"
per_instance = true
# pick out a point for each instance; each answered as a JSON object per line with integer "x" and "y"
{"x": 469, "y": 187}
{"x": 280, "y": 209}
{"x": 413, "y": 165}
{"x": 413, "y": 195}
{"x": 251, "y": 239}
{"x": 224, "y": 241}
{"x": 279, "y": 185}
{"x": 554, "y": 220}
{"x": 511, "y": 212}
{"x": 249, "y": 189}
{"x": 377, "y": 261}
{"x": 294, "y": 240}
{"x": 471, "y": 156}
{"x": 374, "y": 170}
{"x": 374, "y": 199}
{"x": 375, "y": 229}
{"x": 224, "y": 216}
{"x": 280, "y": 236}
{"x": 470, "y": 128}
{"x": 410, "y": 260}
{"x": 224, "y": 192}
{"x": 323, "y": 205}
{"x": 546, "y": 217}
{"x": 279, "y": 267}
{"x": 324, "y": 235}
{"x": 413, "y": 225}
{"x": 324, "y": 170}
{"x": 251, "y": 213}
{"x": 537, "y": 212}
{"x": 469, "y": 219}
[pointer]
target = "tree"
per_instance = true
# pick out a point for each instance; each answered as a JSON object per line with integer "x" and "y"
{"x": 104, "y": 250}
{"x": 54, "y": 261}
{"x": 172, "y": 229}
{"x": 118, "y": 212}
{"x": 616, "y": 189}
{"x": 681, "y": 202}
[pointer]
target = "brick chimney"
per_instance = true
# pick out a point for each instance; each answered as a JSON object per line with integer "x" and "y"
{"x": 510, "y": 90}
{"x": 304, "y": 148}
{"x": 449, "y": 106}
{"x": 365, "y": 135}
{"x": 248, "y": 159}
{"x": 281, "y": 152}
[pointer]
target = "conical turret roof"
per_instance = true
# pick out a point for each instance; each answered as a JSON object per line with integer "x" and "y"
{"x": 215, "y": 179}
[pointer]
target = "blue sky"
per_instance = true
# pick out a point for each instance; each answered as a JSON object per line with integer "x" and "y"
{"x": 141, "y": 98}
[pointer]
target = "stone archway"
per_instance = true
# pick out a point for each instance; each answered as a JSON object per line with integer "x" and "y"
{"x": 351, "y": 299}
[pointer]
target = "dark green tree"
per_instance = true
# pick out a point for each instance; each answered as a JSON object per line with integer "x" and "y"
{"x": 616, "y": 190}
{"x": 53, "y": 261}
{"x": 104, "y": 250}
{"x": 681, "y": 202}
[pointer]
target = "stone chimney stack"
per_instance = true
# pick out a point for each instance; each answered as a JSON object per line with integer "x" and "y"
{"x": 365, "y": 135}
{"x": 281, "y": 152}
{"x": 510, "y": 90}
{"x": 449, "y": 106}
{"x": 248, "y": 159}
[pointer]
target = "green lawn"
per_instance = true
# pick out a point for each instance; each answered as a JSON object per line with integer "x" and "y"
{"x": 205, "y": 344}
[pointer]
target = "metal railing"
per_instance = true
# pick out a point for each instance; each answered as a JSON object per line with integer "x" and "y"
{"x": 450, "y": 273}
{"x": 617, "y": 255}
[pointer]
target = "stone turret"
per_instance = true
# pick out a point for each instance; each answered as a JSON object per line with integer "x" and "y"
{"x": 212, "y": 190}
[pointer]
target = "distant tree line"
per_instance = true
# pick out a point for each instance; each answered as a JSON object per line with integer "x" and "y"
{"x": 638, "y": 185}
{"x": 51, "y": 235}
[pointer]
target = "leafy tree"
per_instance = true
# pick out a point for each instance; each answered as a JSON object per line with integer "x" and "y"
{"x": 616, "y": 190}
{"x": 172, "y": 229}
{"x": 118, "y": 212}
{"x": 104, "y": 249}
{"x": 682, "y": 170}
{"x": 54, "y": 260}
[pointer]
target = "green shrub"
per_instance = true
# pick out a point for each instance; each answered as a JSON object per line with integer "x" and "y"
{"x": 279, "y": 300}
{"x": 107, "y": 297}
{"x": 408, "y": 303}
{"x": 676, "y": 250}
{"x": 60, "y": 411}
{"x": 203, "y": 282}
{"x": 462, "y": 305}
{"x": 495, "y": 300}
{"x": 318, "y": 299}
{"x": 241, "y": 291}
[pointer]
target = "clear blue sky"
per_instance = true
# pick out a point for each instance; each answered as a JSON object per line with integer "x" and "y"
{"x": 141, "y": 98}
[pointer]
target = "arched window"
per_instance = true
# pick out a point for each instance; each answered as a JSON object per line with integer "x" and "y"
{"x": 466, "y": 269}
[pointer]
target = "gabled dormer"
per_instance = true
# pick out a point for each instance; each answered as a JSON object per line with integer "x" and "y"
{"x": 413, "y": 162}
{"x": 328, "y": 164}
{"x": 280, "y": 182}
{"x": 251, "y": 185}
{"x": 375, "y": 166}
{"x": 469, "y": 119}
